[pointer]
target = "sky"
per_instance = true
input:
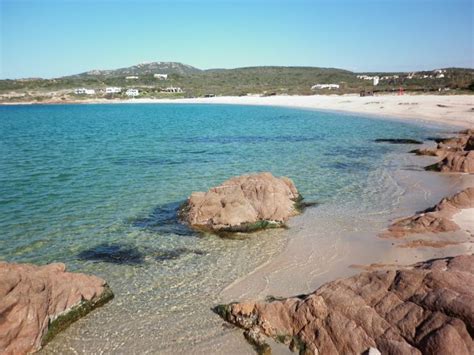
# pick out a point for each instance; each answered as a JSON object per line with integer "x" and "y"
{"x": 52, "y": 38}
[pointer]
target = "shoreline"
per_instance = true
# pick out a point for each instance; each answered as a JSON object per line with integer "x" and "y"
{"x": 324, "y": 267}
{"x": 305, "y": 263}
{"x": 453, "y": 110}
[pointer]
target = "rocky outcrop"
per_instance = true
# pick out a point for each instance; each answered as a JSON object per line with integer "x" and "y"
{"x": 243, "y": 204}
{"x": 435, "y": 219}
{"x": 456, "y": 153}
{"x": 427, "y": 308}
{"x": 36, "y": 302}
{"x": 456, "y": 162}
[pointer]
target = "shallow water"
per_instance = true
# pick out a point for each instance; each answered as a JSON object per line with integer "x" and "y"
{"x": 97, "y": 187}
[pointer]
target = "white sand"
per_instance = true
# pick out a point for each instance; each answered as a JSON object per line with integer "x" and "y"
{"x": 456, "y": 110}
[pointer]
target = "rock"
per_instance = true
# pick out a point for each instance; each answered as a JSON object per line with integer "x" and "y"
{"x": 456, "y": 154}
{"x": 426, "y": 308}
{"x": 36, "y": 302}
{"x": 470, "y": 143}
{"x": 435, "y": 219}
{"x": 434, "y": 152}
{"x": 373, "y": 351}
{"x": 398, "y": 141}
{"x": 456, "y": 162}
{"x": 243, "y": 204}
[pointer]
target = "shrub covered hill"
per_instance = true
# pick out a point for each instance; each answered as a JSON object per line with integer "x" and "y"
{"x": 266, "y": 80}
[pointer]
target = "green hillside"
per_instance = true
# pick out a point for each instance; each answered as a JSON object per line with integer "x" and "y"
{"x": 241, "y": 81}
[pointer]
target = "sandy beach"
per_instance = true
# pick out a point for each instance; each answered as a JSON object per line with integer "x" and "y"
{"x": 457, "y": 110}
{"x": 454, "y": 110}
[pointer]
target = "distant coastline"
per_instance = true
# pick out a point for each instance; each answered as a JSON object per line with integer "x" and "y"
{"x": 454, "y": 110}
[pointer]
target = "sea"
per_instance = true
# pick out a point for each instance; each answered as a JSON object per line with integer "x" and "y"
{"x": 97, "y": 187}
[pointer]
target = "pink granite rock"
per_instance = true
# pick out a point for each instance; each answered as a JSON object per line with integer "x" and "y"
{"x": 38, "y": 301}
{"x": 456, "y": 154}
{"x": 435, "y": 219}
{"x": 243, "y": 203}
{"x": 427, "y": 308}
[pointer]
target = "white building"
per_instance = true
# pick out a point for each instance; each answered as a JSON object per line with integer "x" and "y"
{"x": 84, "y": 91}
{"x": 113, "y": 90}
{"x": 375, "y": 79}
{"x": 161, "y": 76}
{"x": 365, "y": 77}
{"x": 325, "y": 86}
{"x": 133, "y": 77}
{"x": 132, "y": 92}
{"x": 173, "y": 89}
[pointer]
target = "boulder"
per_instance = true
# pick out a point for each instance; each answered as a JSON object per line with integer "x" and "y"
{"x": 434, "y": 219}
{"x": 243, "y": 204}
{"x": 426, "y": 308}
{"x": 455, "y": 162}
{"x": 456, "y": 154}
{"x": 36, "y": 302}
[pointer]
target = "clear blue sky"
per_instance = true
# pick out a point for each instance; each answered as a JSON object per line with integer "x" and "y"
{"x": 50, "y": 38}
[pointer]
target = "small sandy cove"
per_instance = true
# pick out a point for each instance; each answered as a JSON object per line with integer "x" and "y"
{"x": 456, "y": 110}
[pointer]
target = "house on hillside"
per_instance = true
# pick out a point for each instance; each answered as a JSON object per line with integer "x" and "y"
{"x": 132, "y": 77}
{"x": 132, "y": 92}
{"x": 325, "y": 86}
{"x": 113, "y": 90}
{"x": 160, "y": 76}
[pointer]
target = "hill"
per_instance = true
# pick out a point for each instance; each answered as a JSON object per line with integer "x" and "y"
{"x": 264, "y": 80}
{"x": 143, "y": 69}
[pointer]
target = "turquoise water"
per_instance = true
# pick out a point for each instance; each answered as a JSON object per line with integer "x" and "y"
{"x": 97, "y": 187}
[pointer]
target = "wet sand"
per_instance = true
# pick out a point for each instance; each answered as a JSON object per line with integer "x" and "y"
{"x": 326, "y": 241}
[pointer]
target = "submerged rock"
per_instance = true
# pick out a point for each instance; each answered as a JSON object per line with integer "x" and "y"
{"x": 243, "y": 204}
{"x": 398, "y": 141}
{"x": 426, "y": 308}
{"x": 435, "y": 219}
{"x": 37, "y": 302}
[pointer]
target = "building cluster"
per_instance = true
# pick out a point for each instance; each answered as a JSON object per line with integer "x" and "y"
{"x": 113, "y": 90}
{"x": 325, "y": 86}
{"x": 435, "y": 74}
{"x": 375, "y": 79}
{"x": 130, "y": 92}
{"x": 172, "y": 89}
{"x": 84, "y": 91}
{"x": 107, "y": 91}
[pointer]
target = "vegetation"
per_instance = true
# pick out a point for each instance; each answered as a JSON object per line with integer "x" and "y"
{"x": 236, "y": 82}
{"x": 64, "y": 320}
